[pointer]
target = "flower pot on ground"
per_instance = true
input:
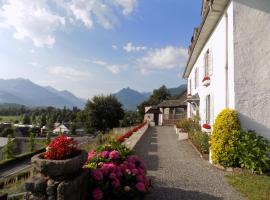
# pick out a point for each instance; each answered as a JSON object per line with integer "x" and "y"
{"x": 206, "y": 81}
{"x": 61, "y": 158}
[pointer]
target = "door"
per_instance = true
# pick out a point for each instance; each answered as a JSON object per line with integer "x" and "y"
{"x": 156, "y": 118}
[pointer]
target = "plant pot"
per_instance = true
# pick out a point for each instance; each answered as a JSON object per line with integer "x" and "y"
{"x": 54, "y": 168}
{"x": 206, "y": 82}
{"x": 206, "y": 130}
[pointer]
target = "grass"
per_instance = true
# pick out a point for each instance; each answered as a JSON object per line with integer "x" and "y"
{"x": 10, "y": 118}
{"x": 254, "y": 187}
{"x": 18, "y": 187}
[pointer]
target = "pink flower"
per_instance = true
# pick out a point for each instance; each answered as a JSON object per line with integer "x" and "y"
{"x": 97, "y": 194}
{"x": 97, "y": 174}
{"x": 105, "y": 154}
{"x": 112, "y": 175}
{"x": 123, "y": 167}
{"x": 116, "y": 183}
{"x": 134, "y": 172}
{"x": 140, "y": 187}
{"x": 139, "y": 178}
{"x": 91, "y": 155}
{"x": 114, "y": 155}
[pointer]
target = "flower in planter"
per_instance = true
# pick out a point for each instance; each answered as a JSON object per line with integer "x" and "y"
{"x": 60, "y": 148}
{"x": 206, "y": 126}
{"x": 123, "y": 174}
{"x": 206, "y": 78}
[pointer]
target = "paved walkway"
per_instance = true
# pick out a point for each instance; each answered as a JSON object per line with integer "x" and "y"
{"x": 176, "y": 170}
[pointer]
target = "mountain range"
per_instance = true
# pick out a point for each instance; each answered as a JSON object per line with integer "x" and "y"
{"x": 131, "y": 98}
{"x": 24, "y": 92}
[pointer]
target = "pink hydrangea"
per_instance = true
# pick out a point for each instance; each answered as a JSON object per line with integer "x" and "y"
{"x": 140, "y": 187}
{"x": 97, "y": 194}
{"x": 134, "y": 172}
{"x": 91, "y": 155}
{"x": 105, "y": 154}
{"x": 139, "y": 178}
{"x": 114, "y": 155}
{"x": 116, "y": 183}
{"x": 97, "y": 174}
{"x": 112, "y": 176}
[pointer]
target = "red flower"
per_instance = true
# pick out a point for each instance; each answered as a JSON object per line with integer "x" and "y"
{"x": 206, "y": 126}
{"x": 60, "y": 148}
{"x": 130, "y": 132}
{"x": 206, "y": 78}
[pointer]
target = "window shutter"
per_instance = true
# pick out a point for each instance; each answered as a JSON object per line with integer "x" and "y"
{"x": 212, "y": 109}
{"x": 204, "y": 110}
{"x": 210, "y": 62}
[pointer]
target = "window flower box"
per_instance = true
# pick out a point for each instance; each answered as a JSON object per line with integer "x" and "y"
{"x": 189, "y": 95}
{"x": 206, "y": 81}
{"x": 206, "y": 128}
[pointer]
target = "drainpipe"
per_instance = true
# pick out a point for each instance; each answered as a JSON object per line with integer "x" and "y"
{"x": 226, "y": 65}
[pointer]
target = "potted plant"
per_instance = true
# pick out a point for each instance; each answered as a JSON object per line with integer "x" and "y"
{"x": 116, "y": 173}
{"x": 206, "y": 81}
{"x": 206, "y": 128}
{"x": 62, "y": 157}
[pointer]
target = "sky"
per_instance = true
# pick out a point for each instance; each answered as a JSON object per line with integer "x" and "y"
{"x": 93, "y": 47}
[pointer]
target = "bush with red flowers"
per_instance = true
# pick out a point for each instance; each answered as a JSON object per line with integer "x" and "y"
{"x": 206, "y": 78}
{"x": 61, "y": 148}
{"x": 206, "y": 126}
{"x": 116, "y": 173}
{"x": 130, "y": 132}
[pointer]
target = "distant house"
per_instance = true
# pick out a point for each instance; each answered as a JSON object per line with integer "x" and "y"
{"x": 228, "y": 65}
{"x": 61, "y": 129}
{"x": 167, "y": 112}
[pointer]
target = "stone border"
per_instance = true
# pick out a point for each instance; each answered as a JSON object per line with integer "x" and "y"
{"x": 135, "y": 137}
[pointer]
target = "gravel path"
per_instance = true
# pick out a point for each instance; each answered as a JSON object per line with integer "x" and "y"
{"x": 176, "y": 170}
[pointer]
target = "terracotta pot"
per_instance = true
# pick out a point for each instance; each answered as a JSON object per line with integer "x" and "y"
{"x": 54, "y": 168}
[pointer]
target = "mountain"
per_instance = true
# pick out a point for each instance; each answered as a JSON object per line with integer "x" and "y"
{"x": 24, "y": 92}
{"x": 131, "y": 98}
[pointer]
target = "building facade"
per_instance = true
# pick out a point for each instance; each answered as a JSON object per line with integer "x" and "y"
{"x": 229, "y": 63}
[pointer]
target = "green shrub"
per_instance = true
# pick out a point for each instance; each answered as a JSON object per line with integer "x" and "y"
{"x": 224, "y": 139}
{"x": 201, "y": 140}
{"x": 252, "y": 152}
{"x": 188, "y": 125}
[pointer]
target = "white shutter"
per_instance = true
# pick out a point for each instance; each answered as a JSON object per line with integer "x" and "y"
{"x": 204, "y": 110}
{"x": 210, "y": 62}
{"x": 212, "y": 109}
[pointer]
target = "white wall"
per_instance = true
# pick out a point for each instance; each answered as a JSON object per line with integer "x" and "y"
{"x": 217, "y": 89}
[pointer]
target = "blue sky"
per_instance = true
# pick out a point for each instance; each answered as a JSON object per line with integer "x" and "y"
{"x": 96, "y": 46}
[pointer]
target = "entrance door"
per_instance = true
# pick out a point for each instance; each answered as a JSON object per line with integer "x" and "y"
{"x": 156, "y": 118}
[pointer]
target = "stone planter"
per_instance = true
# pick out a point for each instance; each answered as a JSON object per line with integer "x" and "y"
{"x": 182, "y": 136}
{"x": 55, "y": 168}
{"x": 206, "y": 130}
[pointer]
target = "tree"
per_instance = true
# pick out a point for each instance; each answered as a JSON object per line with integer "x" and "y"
{"x": 8, "y": 148}
{"x": 103, "y": 112}
{"x": 6, "y": 132}
{"x": 32, "y": 142}
{"x": 48, "y": 137}
{"x": 26, "y": 119}
{"x": 130, "y": 119}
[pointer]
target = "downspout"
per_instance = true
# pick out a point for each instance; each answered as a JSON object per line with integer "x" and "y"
{"x": 226, "y": 65}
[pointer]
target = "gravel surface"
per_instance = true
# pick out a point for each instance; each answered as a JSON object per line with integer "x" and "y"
{"x": 177, "y": 171}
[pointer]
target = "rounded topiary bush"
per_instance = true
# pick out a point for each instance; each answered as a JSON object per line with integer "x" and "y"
{"x": 223, "y": 143}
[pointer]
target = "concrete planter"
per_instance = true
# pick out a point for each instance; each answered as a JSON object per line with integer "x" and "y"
{"x": 55, "y": 168}
{"x": 182, "y": 136}
{"x": 206, "y": 130}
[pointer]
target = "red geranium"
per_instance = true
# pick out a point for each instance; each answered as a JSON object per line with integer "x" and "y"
{"x": 206, "y": 126}
{"x": 60, "y": 148}
{"x": 130, "y": 132}
{"x": 206, "y": 78}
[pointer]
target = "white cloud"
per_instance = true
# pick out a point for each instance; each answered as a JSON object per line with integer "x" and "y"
{"x": 32, "y": 20}
{"x": 129, "y": 47}
{"x": 69, "y": 73}
{"x": 113, "y": 68}
{"x": 114, "y": 47}
{"x": 35, "y": 20}
{"x": 127, "y": 5}
{"x": 165, "y": 58}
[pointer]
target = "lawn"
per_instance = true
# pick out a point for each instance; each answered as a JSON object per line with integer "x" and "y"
{"x": 10, "y": 118}
{"x": 254, "y": 187}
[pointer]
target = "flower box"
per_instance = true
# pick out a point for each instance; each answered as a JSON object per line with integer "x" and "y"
{"x": 206, "y": 128}
{"x": 206, "y": 81}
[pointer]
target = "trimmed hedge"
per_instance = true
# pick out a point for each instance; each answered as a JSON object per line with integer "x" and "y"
{"x": 224, "y": 139}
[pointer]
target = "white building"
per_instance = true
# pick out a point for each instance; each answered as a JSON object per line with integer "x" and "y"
{"x": 230, "y": 51}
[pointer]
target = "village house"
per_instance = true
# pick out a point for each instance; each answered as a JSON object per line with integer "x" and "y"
{"x": 229, "y": 63}
{"x": 167, "y": 112}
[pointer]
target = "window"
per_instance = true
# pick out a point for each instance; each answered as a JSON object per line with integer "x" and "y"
{"x": 190, "y": 86}
{"x": 208, "y": 109}
{"x": 206, "y": 63}
{"x": 196, "y": 78}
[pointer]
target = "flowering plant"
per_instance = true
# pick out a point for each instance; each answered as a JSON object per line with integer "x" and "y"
{"x": 130, "y": 132}
{"x": 206, "y": 78}
{"x": 206, "y": 126}
{"x": 116, "y": 173}
{"x": 61, "y": 148}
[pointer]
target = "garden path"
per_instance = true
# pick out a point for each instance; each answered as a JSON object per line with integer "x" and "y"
{"x": 176, "y": 170}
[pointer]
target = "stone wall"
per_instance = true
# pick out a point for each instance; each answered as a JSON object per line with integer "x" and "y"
{"x": 252, "y": 64}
